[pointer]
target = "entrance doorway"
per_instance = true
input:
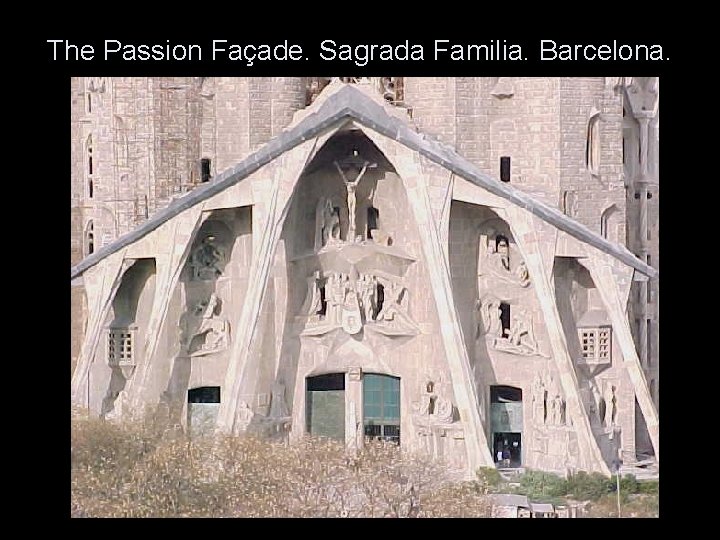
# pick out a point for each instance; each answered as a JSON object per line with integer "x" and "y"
{"x": 202, "y": 410}
{"x": 325, "y": 406}
{"x": 507, "y": 415}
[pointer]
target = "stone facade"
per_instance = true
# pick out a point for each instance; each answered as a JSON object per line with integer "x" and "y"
{"x": 361, "y": 285}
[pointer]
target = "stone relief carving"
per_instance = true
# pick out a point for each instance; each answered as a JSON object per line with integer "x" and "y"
{"x": 207, "y": 260}
{"x": 432, "y": 407}
{"x": 212, "y": 334}
{"x": 353, "y": 304}
{"x": 548, "y": 402}
{"x": 496, "y": 261}
{"x": 519, "y": 338}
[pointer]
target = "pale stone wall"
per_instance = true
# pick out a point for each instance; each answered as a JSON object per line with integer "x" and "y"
{"x": 148, "y": 138}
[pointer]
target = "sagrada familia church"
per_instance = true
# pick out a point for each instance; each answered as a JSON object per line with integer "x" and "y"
{"x": 466, "y": 266}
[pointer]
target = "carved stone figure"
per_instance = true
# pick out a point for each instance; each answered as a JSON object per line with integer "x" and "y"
{"x": 278, "y": 406}
{"x": 214, "y": 329}
{"x": 351, "y": 187}
{"x": 244, "y": 416}
{"x": 206, "y": 260}
{"x": 611, "y": 405}
{"x": 432, "y": 408}
{"x": 336, "y": 297}
{"x": 313, "y": 298}
{"x": 520, "y": 338}
{"x": 368, "y": 286}
{"x": 522, "y": 274}
{"x": 330, "y": 223}
{"x": 491, "y": 324}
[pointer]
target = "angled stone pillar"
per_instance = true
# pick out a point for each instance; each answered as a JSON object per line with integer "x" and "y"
{"x": 101, "y": 283}
{"x": 173, "y": 240}
{"x": 606, "y": 282}
{"x": 539, "y": 258}
{"x": 268, "y": 223}
{"x": 406, "y": 163}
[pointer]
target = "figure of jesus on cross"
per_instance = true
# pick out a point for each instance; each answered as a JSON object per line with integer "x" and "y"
{"x": 351, "y": 186}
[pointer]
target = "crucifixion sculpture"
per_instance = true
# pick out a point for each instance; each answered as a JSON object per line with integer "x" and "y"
{"x": 351, "y": 186}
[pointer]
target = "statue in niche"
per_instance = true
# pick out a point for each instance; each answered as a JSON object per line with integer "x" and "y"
{"x": 520, "y": 338}
{"x": 351, "y": 185}
{"x": 313, "y": 298}
{"x": 278, "y": 406}
{"x": 213, "y": 328}
{"x": 206, "y": 260}
{"x": 539, "y": 399}
{"x": 367, "y": 288}
{"x": 329, "y": 223}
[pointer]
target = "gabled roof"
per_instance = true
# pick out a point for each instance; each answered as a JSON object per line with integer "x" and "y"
{"x": 351, "y": 103}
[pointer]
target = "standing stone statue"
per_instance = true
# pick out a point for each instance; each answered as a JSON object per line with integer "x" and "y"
{"x": 538, "y": 397}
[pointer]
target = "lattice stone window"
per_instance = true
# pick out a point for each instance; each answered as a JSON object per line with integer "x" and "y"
{"x": 595, "y": 344}
{"x": 120, "y": 347}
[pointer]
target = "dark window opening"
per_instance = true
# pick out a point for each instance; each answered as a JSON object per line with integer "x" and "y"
{"x": 637, "y": 195}
{"x": 649, "y": 195}
{"x": 502, "y": 246}
{"x": 372, "y": 220}
{"x": 505, "y": 168}
{"x": 90, "y": 189}
{"x": 89, "y": 102}
{"x": 323, "y": 302}
{"x": 505, "y": 394}
{"x": 205, "y": 169}
{"x": 380, "y": 299}
{"x": 90, "y": 238}
{"x": 505, "y": 318}
{"x": 204, "y": 394}
{"x": 331, "y": 381}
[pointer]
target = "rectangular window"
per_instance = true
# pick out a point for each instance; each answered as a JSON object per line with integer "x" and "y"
{"x": 596, "y": 344}
{"x": 204, "y": 169}
{"x": 120, "y": 347}
{"x": 505, "y": 168}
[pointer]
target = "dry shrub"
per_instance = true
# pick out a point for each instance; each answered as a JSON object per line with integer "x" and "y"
{"x": 143, "y": 470}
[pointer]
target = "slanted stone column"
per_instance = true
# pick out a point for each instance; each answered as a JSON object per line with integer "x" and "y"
{"x": 101, "y": 284}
